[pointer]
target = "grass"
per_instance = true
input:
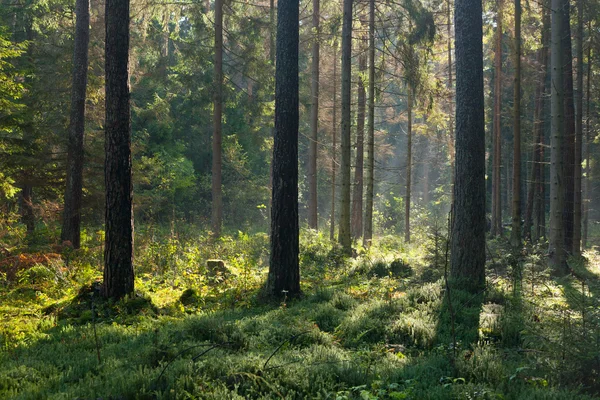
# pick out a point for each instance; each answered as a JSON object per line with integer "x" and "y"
{"x": 377, "y": 327}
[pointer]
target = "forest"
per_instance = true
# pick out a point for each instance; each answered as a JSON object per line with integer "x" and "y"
{"x": 312, "y": 199}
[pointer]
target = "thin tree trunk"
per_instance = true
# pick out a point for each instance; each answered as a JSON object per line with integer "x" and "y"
{"x": 408, "y": 166}
{"x": 314, "y": 122}
{"x": 357, "y": 194}
{"x": 468, "y": 227}
{"x": 497, "y": 142}
{"x": 578, "y": 134}
{"x": 569, "y": 121}
{"x": 334, "y": 144}
{"x": 118, "y": 249}
{"x": 344, "y": 233}
{"x": 217, "y": 195}
{"x": 370, "y": 164}
{"x": 74, "y": 187}
{"x": 27, "y": 215}
{"x": 588, "y": 170}
{"x": 284, "y": 271}
{"x": 451, "y": 149}
{"x": 537, "y": 169}
{"x": 556, "y": 250}
{"x": 515, "y": 236}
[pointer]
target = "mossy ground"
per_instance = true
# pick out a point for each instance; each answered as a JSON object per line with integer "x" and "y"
{"x": 376, "y": 327}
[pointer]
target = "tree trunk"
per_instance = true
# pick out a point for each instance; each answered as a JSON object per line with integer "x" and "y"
{"x": 118, "y": 248}
{"x": 27, "y": 215}
{"x": 344, "y": 233}
{"x": 408, "y": 165}
{"x": 370, "y": 164}
{"x": 497, "y": 142}
{"x": 588, "y": 170}
{"x": 217, "y": 196}
{"x": 72, "y": 210}
{"x": 334, "y": 144}
{"x": 314, "y": 122}
{"x": 569, "y": 121}
{"x": 468, "y": 227}
{"x": 515, "y": 237}
{"x": 556, "y": 250}
{"x": 578, "y": 134}
{"x": 357, "y": 194}
{"x": 284, "y": 271}
{"x": 451, "y": 150}
{"x": 537, "y": 168}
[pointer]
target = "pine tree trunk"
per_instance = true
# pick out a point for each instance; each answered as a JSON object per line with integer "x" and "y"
{"x": 370, "y": 164}
{"x": 118, "y": 248}
{"x": 284, "y": 271}
{"x": 515, "y": 236}
{"x": 578, "y": 134}
{"x": 451, "y": 149}
{"x": 344, "y": 232}
{"x": 556, "y": 250}
{"x": 588, "y": 170}
{"x": 72, "y": 210}
{"x": 497, "y": 142}
{"x": 357, "y": 194}
{"x": 314, "y": 122}
{"x": 334, "y": 144}
{"x": 217, "y": 196}
{"x": 408, "y": 166}
{"x": 468, "y": 227}
{"x": 569, "y": 121}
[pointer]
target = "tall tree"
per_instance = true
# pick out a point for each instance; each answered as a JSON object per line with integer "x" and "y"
{"x": 497, "y": 139}
{"x": 468, "y": 227}
{"x": 576, "y": 249}
{"x": 569, "y": 129}
{"x": 357, "y": 194}
{"x": 314, "y": 121}
{"x": 344, "y": 231}
{"x": 588, "y": 170}
{"x": 284, "y": 270}
{"x": 118, "y": 248}
{"x": 556, "y": 238}
{"x": 451, "y": 149}
{"x": 370, "y": 164}
{"x": 515, "y": 236}
{"x": 333, "y": 144}
{"x": 217, "y": 195}
{"x": 72, "y": 210}
{"x": 409, "y": 108}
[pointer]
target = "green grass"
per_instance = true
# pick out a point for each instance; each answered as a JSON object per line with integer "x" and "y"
{"x": 364, "y": 329}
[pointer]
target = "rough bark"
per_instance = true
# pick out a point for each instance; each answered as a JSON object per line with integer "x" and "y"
{"x": 468, "y": 227}
{"x": 314, "y": 122}
{"x": 118, "y": 248}
{"x": 497, "y": 141}
{"x": 74, "y": 186}
{"x": 344, "y": 231}
{"x": 588, "y": 170}
{"x": 556, "y": 249}
{"x": 284, "y": 271}
{"x": 451, "y": 149}
{"x": 357, "y": 193}
{"x": 515, "y": 237}
{"x": 370, "y": 163}
{"x": 217, "y": 195}
{"x": 576, "y": 249}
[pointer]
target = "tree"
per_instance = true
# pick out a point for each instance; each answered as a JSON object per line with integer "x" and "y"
{"x": 515, "y": 236}
{"x": 370, "y": 164}
{"x": 588, "y": 170}
{"x": 409, "y": 108}
{"x": 284, "y": 270}
{"x": 497, "y": 140}
{"x": 333, "y": 143}
{"x": 217, "y": 196}
{"x": 344, "y": 231}
{"x": 569, "y": 129}
{"x": 314, "y": 122}
{"x": 576, "y": 249}
{"x": 357, "y": 194}
{"x": 72, "y": 210}
{"x": 468, "y": 226}
{"x": 556, "y": 238}
{"x": 118, "y": 248}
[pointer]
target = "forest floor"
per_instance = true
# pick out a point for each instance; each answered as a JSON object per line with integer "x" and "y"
{"x": 375, "y": 327}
